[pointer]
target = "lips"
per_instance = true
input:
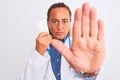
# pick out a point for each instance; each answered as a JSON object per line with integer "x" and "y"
{"x": 60, "y": 33}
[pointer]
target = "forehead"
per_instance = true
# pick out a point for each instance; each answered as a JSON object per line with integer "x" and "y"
{"x": 59, "y": 13}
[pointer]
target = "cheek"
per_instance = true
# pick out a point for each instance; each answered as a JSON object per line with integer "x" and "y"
{"x": 67, "y": 29}
{"x": 52, "y": 30}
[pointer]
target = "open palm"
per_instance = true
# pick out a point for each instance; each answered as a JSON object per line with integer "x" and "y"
{"x": 88, "y": 46}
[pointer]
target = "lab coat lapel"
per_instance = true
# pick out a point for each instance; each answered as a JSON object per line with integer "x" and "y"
{"x": 65, "y": 67}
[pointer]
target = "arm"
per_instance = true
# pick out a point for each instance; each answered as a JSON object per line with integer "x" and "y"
{"x": 36, "y": 68}
{"x": 88, "y": 45}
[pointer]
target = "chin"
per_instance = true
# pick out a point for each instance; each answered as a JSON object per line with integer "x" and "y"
{"x": 59, "y": 37}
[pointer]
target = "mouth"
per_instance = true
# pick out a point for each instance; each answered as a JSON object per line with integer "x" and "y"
{"x": 60, "y": 33}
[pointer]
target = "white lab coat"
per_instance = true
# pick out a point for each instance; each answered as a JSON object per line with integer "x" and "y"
{"x": 39, "y": 68}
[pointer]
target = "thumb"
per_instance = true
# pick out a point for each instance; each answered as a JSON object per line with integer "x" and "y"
{"x": 62, "y": 49}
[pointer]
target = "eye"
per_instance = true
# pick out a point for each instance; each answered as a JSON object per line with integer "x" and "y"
{"x": 54, "y": 21}
{"x": 65, "y": 21}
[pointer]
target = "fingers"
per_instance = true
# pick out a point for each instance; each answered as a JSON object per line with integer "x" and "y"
{"x": 42, "y": 34}
{"x": 85, "y": 20}
{"x": 62, "y": 49}
{"x": 81, "y": 22}
{"x": 86, "y": 23}
{"x": 42, "y": 42}
{"x": 100, "y": 36}
{"x": 93, "y": 23}
{"x": 96, "y": 26}
{"x": 43, "y": 38}
{"x": 76, "y": 31}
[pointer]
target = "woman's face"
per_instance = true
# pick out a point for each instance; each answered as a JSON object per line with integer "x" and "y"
{"x": 59, "y": 23}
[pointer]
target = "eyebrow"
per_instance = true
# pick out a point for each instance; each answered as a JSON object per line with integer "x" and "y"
{"x": 65, "y": 19}
{"x": 58, "y": 19}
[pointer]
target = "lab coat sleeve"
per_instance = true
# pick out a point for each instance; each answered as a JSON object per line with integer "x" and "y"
{"x": 36, "y": 67}
{"x": 86, "y": 77}
{"x": 79, "y": 76}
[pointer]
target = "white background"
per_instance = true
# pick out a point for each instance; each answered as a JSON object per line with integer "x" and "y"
{"x": 18, "y": 21}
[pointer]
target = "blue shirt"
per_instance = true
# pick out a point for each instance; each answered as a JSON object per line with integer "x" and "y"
{"x": 55, "y": 57}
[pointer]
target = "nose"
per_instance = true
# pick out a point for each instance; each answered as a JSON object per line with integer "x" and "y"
{"x": 60, "y": 25}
